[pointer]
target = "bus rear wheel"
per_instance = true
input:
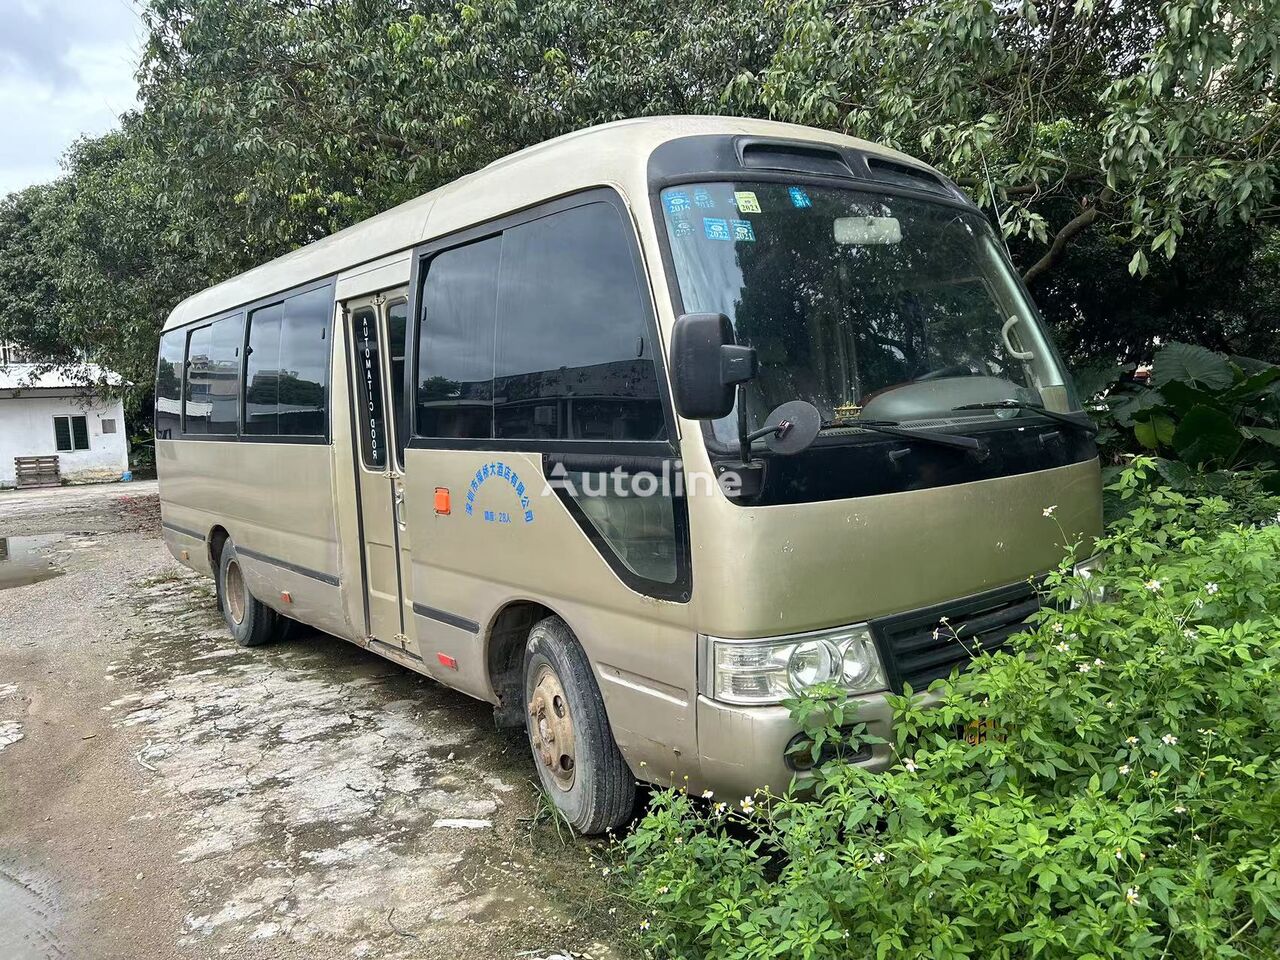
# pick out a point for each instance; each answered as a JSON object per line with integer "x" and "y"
{"x": 579, "y": 764}
{"x": 250, "y": 620}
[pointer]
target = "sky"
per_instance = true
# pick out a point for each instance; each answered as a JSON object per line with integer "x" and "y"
{"x": 66, "y": 69}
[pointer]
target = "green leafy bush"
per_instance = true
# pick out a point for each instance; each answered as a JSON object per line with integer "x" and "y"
{"x": 1125, "y": 801}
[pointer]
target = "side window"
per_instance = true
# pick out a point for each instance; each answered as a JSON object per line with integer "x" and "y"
{"x": 262, "y": 371}
{"x": 455, "y": 353}
{"x": 223, "y": 375}
{"x": 196, "y": 402}
{"x": 368, "y": 376}
{"x": 397, "y": 326}
{"x": 573, "y": 359}
{"x": 169, "y": 384}
{"x": 304, "y": 363}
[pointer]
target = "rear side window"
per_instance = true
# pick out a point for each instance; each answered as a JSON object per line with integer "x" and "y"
{"x": 540, "y": 333}
{"x": 455, "y": 359}
{"x": 169, "y": 384}
{"x": 286, "y": 390}
{"x": 195, "y": 399}
{"x": 223, "y": 375}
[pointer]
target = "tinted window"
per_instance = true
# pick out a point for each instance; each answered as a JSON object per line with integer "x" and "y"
{"x": 304, "y": 363}
{"x": 397, "y": 323}
{"x": 196, "y": 403}
{"x": 262, "y": 371}
{"x": 455, "y": 359}
{"x": 223, "y": 375}
{"x": 368, "y": 375}
{"x": 573, "y": 360}
{"x": 169, "y": 384}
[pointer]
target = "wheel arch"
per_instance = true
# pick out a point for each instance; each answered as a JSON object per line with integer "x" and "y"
{"x": 504, "y": 656}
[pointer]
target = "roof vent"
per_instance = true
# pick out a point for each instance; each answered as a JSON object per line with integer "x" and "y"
{"x": 906, "y": 176}
{"x": 795, "y": 157}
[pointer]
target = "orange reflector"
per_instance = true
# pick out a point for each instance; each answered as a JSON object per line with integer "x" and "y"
{"x": 445, "y": 659}
{"x": 442, "y": 501}
{"x": 286, "y": 596}
{"x": 186, "y": 555}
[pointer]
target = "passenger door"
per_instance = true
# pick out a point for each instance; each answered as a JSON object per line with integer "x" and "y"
{"x": 375, "y": 335}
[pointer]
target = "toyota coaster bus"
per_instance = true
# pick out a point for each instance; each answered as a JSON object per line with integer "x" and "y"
{"x": 632, "y": 434}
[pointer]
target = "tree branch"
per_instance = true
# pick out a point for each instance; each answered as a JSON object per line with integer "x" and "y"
{"x": 1076, "y": 225}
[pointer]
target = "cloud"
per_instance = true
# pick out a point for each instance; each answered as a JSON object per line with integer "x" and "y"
{"x": 66, "y": 70}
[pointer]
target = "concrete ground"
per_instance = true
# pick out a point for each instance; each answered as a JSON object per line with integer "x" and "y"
{"x": 166, "y": 793}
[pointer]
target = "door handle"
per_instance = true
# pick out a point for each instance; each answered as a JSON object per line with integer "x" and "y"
{"x": 399, "y": 505}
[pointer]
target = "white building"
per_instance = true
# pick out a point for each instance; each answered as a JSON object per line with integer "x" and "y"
{"x": 44, "y": 415}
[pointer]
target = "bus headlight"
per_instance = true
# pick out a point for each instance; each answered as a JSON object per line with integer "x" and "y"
{"x": 770, "y": 671}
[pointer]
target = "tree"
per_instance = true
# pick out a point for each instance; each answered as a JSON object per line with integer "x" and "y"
{"x": 1148, "y": 118}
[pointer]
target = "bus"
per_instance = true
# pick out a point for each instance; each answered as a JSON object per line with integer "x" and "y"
{"x": 636, "y": 434}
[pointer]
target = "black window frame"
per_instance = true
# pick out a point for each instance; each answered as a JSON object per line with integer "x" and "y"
{"x": 422, "y": 255}
{"x": 596, "y": 455}
{"x": 186, "y": 375}
{"x": 244, "y": 310}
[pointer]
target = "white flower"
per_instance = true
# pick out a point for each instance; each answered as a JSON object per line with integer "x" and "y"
{"x": 720, "y": 809}
{"x": 604, "y": 872}
{"x": 644, "y": 924}
{"x": 1179, "y": 809}
{"x": 1169, "y": 740}
{"x": 1125, "y": 769}
{"x": 1153, "y": 586}
{"x": 708, "y": 794}
{"x": 879, "y": 857}
{"x": 1189, "y": 633}
{"x": 1131, "y": 741}
{"x": 748, "y": 805}
{"x": 1048, "y": 511}
{"x": 1063, "y": 647}
{"x": 679, "y": 840}
{"x": 910, "y": 765}
{"x": 1199, "y": 602}
{"x": 1119, "y": 854}
{"x": 1131, "y": 896}
{"x": 1057, "y": 627}
{"x": 1097, "y": 662}
{"x": 1211, "y": 588}
{"x": 1195, "y": 836}
{"x": 664, "y": 889}
{"x": 1083, "y": 667}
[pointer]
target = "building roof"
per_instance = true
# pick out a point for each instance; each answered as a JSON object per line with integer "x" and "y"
{"x": 611, "y": 154}
{"x": 30, "y": 377}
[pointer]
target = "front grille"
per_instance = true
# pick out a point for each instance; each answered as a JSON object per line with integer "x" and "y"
{"x": 913, "y": 654}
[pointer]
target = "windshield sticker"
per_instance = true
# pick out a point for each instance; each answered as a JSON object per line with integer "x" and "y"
{"x": 742, "y": 230}
{"x": 702, "y": 198}
{"x": 799, "y": 197}
{"x": 746, "y": 201}
{"x": 681, "y": 229}
{"x": 715, "y": 228}
{"x": 676, "y": 202}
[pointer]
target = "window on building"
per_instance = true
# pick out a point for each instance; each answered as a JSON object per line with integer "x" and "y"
{"x": 287, "y": 367}
{"x": 455, "y": 361}
{"x": 71, "y": 433}
{"x": 169, "y": 384}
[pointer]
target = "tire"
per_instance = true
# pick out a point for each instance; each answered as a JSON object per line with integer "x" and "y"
{"x": 250, "y": 621}
{"x": 594, "y": 789}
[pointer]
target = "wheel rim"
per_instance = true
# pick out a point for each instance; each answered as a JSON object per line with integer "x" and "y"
{"x": 551, "y": 729}
{"x": 235, "y": 591}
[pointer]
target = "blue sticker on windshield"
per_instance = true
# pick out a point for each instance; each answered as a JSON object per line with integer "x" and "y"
{"x": 742, "y": 230}
{"x": 680, "y": 229}
{"x": 702, "y": 198}
{"x": 715, "y": 228}
{"x": 799, "y": 197}
{"x": 676, "y": 202}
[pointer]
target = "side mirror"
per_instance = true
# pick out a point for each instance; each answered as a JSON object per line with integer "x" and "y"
{"x": 706, "y": 365}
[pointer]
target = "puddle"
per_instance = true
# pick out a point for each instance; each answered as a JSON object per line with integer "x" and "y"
{"x": 22, "y": 563}
{"x": 28, "y": 915}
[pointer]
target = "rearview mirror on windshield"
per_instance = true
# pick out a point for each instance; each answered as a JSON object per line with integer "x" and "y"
{"x": 861, "y": 231}
{"x": 706, "y": 365}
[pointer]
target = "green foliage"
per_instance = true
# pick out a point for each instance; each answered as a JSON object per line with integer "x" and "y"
{"x": 1125, "y": 805}
{"x": 1203, "y": 410}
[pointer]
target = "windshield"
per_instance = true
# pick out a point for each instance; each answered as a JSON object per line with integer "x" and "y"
{"x": 864, "y": 304}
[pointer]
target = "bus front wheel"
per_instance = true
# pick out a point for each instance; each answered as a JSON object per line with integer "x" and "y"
{"x": 250, "y": 621}
{"x": 579, "y": 764}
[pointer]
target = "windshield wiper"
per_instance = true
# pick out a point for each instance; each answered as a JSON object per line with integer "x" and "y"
{"x": 893, "y": 429}
{"x": 1085, "y": 426}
